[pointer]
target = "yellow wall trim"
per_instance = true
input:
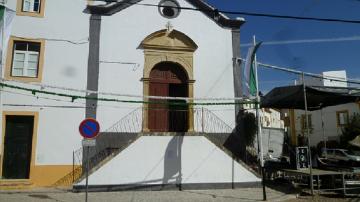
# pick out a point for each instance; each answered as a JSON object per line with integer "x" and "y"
{"x": 34, "y": 137}
{"x": 42, "y": 176}
{"x": 47, "y": 175}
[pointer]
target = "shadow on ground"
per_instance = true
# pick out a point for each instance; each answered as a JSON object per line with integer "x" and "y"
{"x": 283, "y": 186}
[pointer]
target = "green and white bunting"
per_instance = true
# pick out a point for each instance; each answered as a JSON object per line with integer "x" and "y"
{"x": 6, "y": 18}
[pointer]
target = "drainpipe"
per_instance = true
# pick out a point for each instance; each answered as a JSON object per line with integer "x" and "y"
{"x": 92, "y": 73}
{"x": 237, "y": 73}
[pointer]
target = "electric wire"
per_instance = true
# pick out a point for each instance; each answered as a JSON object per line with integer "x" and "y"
{"x": 80, "y": 42}
{"x": 319, "y": 76}
{"x": 216, "y": 12}
{"x": 302, "y": 41}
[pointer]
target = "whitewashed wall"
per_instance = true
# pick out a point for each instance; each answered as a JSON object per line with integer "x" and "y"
{"x": 65, "y": 65}
{"x": 122, "y": 33}
{"x": 332, "y": 131}
{"x": 162, "y": 160}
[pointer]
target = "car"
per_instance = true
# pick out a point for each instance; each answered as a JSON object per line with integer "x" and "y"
{"x": 341, "y": 155}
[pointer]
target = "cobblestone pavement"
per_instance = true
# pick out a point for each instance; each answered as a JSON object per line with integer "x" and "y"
{"x": 246, "y": 194}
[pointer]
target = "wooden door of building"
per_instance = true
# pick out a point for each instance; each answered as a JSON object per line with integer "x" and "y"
{"x": 17, "y": 147}
{"x": 158, "y": 113}
{"x": 168, "y": 80}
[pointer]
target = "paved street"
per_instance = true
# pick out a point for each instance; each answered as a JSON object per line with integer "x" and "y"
{"x": 246, "y": 194}
{"x": 324, "y": 198}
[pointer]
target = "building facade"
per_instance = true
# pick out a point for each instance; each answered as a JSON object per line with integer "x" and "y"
{"x": 112, "y": 62}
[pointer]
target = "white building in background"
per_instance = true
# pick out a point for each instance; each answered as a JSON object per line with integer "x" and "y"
{"x": 333, "y": 79}
{"x": 325, "y": 124}
{"x": 270, "y": 118}
{"x": 59, "y": 49}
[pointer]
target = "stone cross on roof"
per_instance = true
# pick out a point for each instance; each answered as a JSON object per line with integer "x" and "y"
{"x": 169, "y": 27}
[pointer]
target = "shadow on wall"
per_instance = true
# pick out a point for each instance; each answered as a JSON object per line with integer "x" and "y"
{"x": 172, "y": 162}
{"x": 242, "y": 136}
{"x": 235, "y": 142}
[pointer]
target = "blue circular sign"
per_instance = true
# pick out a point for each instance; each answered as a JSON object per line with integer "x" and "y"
{"x": 89, "y": 128}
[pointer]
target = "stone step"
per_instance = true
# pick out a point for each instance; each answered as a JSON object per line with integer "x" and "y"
{"x": 8, "y": 184}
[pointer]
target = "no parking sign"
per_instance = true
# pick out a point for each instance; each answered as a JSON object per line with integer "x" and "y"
{"x": 89, "y": 128}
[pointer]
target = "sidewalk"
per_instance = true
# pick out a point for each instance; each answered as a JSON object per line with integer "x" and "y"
{"x": 246, "y": 194}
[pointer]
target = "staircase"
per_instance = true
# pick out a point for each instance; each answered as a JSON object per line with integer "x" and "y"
{"x": 128, "y": 129}
{"x": 220, "y": 141}
{"x": 107, "y": 146}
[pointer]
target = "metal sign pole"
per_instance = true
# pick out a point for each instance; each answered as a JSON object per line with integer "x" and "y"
{"x": 323, "y": 131}
{"x": 308, "y": 135}
{"x": 87, "y": 173}
{"x": 89, "y": 128}
{"x": 73, "y": 168}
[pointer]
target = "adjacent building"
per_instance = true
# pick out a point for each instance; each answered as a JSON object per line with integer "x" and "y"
{"x": 325, "y": 124}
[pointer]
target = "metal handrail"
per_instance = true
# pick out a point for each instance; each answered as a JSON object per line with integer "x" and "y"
{"x": 205, "y": 121}
{"x": 131, "y": 123}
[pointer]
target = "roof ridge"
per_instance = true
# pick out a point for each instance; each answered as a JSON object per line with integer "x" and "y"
{"x": 208, "y": 10}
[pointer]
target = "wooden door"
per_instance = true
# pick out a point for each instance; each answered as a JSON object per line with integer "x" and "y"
{"x": 158, "y": 113}
{"x": 178, "y": 112}
{"x": 18, "y": 147}
{"x": 167, "y": 80}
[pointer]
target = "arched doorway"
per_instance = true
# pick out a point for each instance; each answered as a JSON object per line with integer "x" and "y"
{"x": 168, "y": 79}
{"x": 176, "y": 49}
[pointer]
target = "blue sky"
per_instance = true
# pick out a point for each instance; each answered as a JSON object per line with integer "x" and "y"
{"x": 309, "y": 57}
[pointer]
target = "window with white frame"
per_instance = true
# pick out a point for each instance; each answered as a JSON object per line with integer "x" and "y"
{"x": 31, "y": 6}
{"x": 25, "y": 61}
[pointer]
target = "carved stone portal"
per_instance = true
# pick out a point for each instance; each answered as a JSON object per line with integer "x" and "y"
{"x": 168, "y": 46}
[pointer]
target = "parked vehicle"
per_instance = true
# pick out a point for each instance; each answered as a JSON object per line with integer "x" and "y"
{"x": 341, "y": 156}
{"x": 276, "y": 163}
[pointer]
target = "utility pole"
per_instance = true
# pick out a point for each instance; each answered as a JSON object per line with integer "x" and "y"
{"x": 308, "y": 134}
{"x": 261, "y": 153}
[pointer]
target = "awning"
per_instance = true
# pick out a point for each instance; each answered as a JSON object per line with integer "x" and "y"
{"x": 292, "y": 97}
